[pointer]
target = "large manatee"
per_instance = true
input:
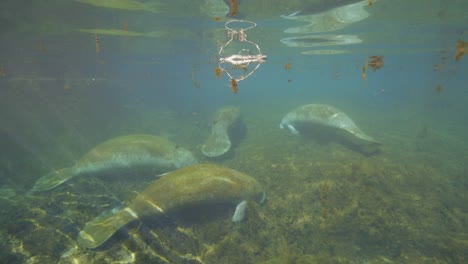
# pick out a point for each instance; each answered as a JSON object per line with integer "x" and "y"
{"x": 219, "y": 141}
{"x": 197, "y": 185}
{"x": 321, "y": 118}
{"x": 132, "y": 151}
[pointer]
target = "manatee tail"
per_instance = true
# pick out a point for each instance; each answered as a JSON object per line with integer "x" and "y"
{"x": 104, "y": 226}
{"x": 218, "y": 142}
{"x": 53, "y": 179}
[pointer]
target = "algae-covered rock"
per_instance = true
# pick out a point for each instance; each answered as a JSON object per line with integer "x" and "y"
{"x": 219, "y": 141}
{"x": 325, "y": 120}
{"x": 132, "y": 151}
{"x": 201, "y": 184}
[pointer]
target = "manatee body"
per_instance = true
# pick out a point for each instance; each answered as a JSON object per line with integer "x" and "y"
{"x": 199, "y": 184}
{"x": 132, "y": 151}
{"x": 219, "y": 142}
{"x": 328, "y": 117}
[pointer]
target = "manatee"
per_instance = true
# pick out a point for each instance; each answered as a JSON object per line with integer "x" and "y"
{"x": 131, "y": 152}
{"x": 331, "y": 121}
{"x": 219, "y": 142}
{"x": 196, "y": 185}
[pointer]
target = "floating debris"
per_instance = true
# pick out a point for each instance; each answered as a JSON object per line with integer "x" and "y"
{"x": 461, "y": 49}
{"x": 439, "y": 88}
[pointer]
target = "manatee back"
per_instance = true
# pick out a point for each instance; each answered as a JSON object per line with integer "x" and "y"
{"x": 135, "y": 150}
{"x": 311, "y": 113}
{"x": 341, "y": 120}
{"x": 196, "y": 185}
{"x": 127, "y": 146}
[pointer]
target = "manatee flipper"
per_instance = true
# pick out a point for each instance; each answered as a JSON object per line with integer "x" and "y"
{"x": 239, "y": 214}
{"x": 53, "y": 179}
{"x": 293, "y": 130}
{"x": 104, "y": 226}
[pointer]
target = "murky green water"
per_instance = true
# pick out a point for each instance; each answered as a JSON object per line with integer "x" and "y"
{"x": 72, "y": 80}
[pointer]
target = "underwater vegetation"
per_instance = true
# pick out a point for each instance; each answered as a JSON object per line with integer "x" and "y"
{"x": 325, "y": 204}
{"x": 375, "y": 62}
{"x": 461, "y": 49}
{"x": 334, "y": 208}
